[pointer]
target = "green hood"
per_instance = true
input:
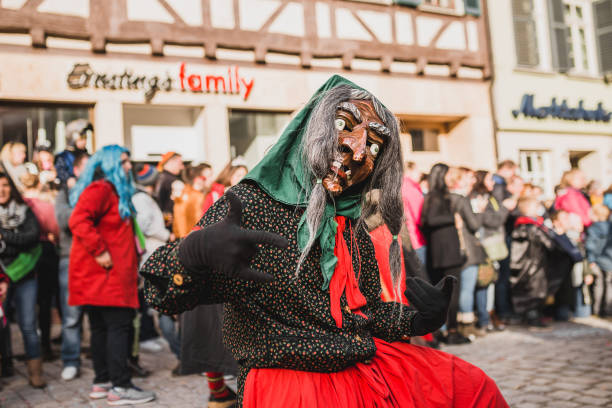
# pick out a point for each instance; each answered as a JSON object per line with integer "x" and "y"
{"x": 281, "y": 174}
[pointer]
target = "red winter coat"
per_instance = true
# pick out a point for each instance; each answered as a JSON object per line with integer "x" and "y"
{"x": 96, "y": 227}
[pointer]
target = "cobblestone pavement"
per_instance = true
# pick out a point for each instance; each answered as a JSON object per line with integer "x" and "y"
{"x": 569, "y": 366}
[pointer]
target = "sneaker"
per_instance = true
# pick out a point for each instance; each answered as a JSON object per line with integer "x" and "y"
{"x": 137, "y": 370}
{"x": 151, "y": 346}
{"x": 226, "y": 401}
{"x": 129, "y": 396}
{"x": 70, "y": 373}
{"x": 100, "y": 390}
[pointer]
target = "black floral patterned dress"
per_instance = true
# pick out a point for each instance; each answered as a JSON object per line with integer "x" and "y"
{"x": 285, "y": 323}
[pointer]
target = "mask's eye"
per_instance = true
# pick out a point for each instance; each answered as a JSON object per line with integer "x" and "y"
{"x": 340, "y": 124}
{"x": 374, "y": 149}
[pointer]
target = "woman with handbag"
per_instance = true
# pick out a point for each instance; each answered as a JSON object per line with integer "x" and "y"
{"x": 492, "y": 237}
{"x": 468, "y": 222}
{"x": 445, "y": 253}
{"x": 19, "y": 254}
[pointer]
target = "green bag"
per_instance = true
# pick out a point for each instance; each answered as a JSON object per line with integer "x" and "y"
{"x": 23, "y": 264}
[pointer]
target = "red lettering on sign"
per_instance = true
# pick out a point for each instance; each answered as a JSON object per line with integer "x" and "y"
{"x": 217, "y": 79}
{"x": 195, "y": 83}
{"x": 249, "y": 86}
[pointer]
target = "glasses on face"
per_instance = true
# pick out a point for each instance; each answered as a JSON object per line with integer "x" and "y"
{"x": 125, "y": 161}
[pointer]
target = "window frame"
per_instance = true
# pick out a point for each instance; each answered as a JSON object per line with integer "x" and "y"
{"x": 586, "y": 23}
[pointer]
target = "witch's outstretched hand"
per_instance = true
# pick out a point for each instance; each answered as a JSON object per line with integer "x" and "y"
{"x": 226, "y": 248}
{"x": 431, "y": 303}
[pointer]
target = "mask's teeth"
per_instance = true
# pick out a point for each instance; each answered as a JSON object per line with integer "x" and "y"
{"x": 348, "y": 174}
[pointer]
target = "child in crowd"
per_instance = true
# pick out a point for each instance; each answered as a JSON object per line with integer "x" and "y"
{"x": 531, "y": 243}
{"x": 599, "y": 254}
{"x": 561, "y": 262}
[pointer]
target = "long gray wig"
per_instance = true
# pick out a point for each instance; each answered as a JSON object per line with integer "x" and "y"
{"x": 320, "y": 146}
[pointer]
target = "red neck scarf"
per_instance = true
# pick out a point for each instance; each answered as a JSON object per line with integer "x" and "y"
{"x": 343, "y": 279}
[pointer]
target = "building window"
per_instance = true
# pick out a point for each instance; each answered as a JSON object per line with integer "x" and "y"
{"x": 602, "y": 13}
{"x": 535, "y": 169}
{"x": 35, "y": 125}
{"x": 252, "y": 134}
{"x": 579, "y": 26}
{"x": 525, "y": 37}
{"x": 448, "y": 4}
{"x": 423, "y": 139}
{"x": 152, "y": 130}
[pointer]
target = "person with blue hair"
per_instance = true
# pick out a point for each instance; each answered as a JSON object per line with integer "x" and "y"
{"x": 103, "y": 270}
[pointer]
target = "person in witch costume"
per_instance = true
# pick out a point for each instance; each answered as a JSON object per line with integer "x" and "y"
{"x": 287, "y": 252}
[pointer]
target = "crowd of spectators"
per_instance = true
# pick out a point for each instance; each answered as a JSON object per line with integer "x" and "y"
{"x": 74, "y": 230}
{"x": 519, "y": 257}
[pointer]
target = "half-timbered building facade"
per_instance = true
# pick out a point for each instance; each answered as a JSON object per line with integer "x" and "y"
{"x": 214, "y": 79}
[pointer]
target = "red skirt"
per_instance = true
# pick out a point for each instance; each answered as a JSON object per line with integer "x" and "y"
{"x": 400, "y": 375}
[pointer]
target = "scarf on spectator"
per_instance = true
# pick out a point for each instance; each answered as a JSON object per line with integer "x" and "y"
{"x": 12, "y": 215}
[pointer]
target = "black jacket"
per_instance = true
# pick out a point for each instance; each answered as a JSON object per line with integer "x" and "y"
{"x": 163, "y": 191}
{"x": 20, "y": 239}
{"x": 438, "y": 221}
{"x": 529, "y": 259}
{"x": 474, "y": 251}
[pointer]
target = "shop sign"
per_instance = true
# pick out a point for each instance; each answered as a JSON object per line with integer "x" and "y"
{"x": 83, "y": 76}
{"x": 562, "y": 111}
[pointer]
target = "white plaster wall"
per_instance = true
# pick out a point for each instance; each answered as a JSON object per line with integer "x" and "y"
{"x": 510, "y": 84}
{"x": 559, "y": 145}
{"x": 40, "y": 75}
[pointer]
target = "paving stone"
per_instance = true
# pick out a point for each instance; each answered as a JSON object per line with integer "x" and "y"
{"x": 571, "y": 366}
{"x": 569, "y": 386}
{"x": 587, "y": 399}
{"x": 563, "y": 395}
{"x": 563, "y": 404}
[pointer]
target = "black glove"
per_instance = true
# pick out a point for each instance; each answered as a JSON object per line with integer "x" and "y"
{"x": 225, "y": 247}
{"x": 431, "y": 303}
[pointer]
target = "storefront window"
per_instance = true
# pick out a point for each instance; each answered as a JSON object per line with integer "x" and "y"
{"x": 152, "y": 130}
{"x": 253, "y": 133}
{"x": 33, "y": 125}
{"x": 535, "y": 169}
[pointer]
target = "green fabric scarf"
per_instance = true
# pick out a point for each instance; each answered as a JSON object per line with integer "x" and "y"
{"x": 24, "y": 263}
{"x": 282, "y": 176}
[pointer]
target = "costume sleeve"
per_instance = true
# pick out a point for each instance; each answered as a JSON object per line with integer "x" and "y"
{"x": 92, "y": 205}
{"x": 388, "y": 321}
{"x": 170, "y": 288}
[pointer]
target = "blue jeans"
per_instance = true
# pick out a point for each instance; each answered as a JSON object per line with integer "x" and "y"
{"x": 72, "y": 318}
{"x": 481, "y": 306}
{"x": 582, "y": 310}
{"x": 24, "y": 295}
{"x": 168, "y": 329}
{"x": 469, "y": 276}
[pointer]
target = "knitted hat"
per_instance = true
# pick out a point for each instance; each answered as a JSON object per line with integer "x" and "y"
{"x": 146, "y": 175}
{"x": 164, "y": 159}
